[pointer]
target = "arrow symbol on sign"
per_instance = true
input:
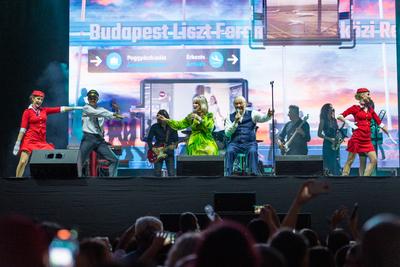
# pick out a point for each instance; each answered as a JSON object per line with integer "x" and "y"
{"x": 234, "y": 59}
{"x": 97, "y": 61}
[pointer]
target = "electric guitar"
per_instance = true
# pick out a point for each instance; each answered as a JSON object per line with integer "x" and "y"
{"x": 159, "y": 153}
{"x": 285, "y": 146}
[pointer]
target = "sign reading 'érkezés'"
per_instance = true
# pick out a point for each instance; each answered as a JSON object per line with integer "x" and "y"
{"x": 164, "y": 60}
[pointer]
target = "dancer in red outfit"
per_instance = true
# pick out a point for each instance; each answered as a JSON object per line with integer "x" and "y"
{"x": 360, "y": 141}
{"x": 33, "y": 129}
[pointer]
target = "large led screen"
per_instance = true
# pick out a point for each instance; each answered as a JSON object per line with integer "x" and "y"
{"x": 117, "y": 46}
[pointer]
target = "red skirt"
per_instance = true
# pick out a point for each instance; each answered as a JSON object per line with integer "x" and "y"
{"x": 360, "y": 142}
{"x": 29, "y": 144}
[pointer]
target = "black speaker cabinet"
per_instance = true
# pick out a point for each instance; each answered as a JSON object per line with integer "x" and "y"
{"x": 234, "y": 201}
{"x": 299, "y": 165}
{"x": 200, "y": 165}
{"x": 58, "y": 163}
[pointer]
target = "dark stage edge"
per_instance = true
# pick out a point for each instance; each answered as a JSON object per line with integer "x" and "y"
{"x": 107, "y": 206}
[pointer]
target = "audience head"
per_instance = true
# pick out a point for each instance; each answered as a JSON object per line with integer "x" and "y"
{"x": 293, "y": 247}
{"x": 93, "y": 252}
{"x": 188, "y": 222}
{"x": 320, "y": 257}
{"x": 259, "y": 230}
{"x": 22, "y": 243}
{"x": 311, "y": 236}
{"x": 145, "y": 229}
{"x": 270, "y": 257}
{"x": 337, "y": 239}
{"x": 226, "y": 244}
{"x": 185, "y": 245}
{"x": 380, "y": 242}
{"x": 353, "y": 256}
{"x": 340, "y": 256}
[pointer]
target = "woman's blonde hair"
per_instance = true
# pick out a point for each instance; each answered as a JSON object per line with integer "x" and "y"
{"x": 203, "y": 103}
{"x": 358, "y": 95}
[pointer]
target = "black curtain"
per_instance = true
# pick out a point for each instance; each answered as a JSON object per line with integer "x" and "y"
{"x": 33, "y": 39}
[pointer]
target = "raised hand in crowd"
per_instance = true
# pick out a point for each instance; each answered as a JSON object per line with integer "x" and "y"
{"x": 269, "y": 216}
{"x": 353, "y": 223}
{"x": 337, "y": 217}
{"x": 157, "y": 245}
{"x": 308, "y": 190}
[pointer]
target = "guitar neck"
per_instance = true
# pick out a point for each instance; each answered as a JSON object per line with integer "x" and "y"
{"x": 295, "y": 131}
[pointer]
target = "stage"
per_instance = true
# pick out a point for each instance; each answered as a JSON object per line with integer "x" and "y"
{"x": 106, "y": 206}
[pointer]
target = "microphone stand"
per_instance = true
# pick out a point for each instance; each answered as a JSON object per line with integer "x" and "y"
{"x": 273, "y": 127}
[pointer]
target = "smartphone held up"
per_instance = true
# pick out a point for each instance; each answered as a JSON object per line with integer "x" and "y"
{"x": 63, "y": 249}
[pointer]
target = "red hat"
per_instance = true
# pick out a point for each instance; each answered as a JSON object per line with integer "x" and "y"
{"x": 37, "y": 93}
{"x": 362, "y": 90}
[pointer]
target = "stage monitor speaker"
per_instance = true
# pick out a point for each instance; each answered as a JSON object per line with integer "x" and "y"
{"x": 200, "y": 165}
{"x": 234, "y": 201}
{"x": 58, "y": 163}
{"x": 299, "y": 165}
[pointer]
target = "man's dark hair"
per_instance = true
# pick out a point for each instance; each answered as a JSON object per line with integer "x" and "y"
{"x": 311, "y": 236}
{"x": 163, "y": 112}
{"x": 293, "y": 247}
{"x": 259, "y": 229}
{"x": 295, "y": 109}
{"x": 337, "y": 239}
{"x": 188, "y": 222}
{"x": 380, "y": 242}
{"x": 320, "y": 256}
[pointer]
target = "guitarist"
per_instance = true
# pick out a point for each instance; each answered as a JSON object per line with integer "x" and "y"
{"x": 296, "y": 126}
{"x": 165, "y": 136}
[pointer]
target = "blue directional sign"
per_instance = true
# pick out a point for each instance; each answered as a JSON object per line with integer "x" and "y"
{"x": 164, "y": 60}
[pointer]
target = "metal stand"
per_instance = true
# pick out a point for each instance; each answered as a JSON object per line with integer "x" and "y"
{"x": 273, "y": 127}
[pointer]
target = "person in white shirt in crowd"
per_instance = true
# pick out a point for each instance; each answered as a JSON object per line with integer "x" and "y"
{"x": 240, "y": 127}
{"x": 93, "y": 118}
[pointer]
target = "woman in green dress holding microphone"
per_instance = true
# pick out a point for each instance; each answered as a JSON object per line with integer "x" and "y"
{"x": 201, "y": 141}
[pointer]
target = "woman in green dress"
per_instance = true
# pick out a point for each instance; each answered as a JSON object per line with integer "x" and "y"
{"x": 201, "y": 141}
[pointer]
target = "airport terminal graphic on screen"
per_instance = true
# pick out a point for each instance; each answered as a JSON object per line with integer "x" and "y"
{"x": 145, "y": 55}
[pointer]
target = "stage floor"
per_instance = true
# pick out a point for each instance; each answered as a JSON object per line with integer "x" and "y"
{"x": 106, "y": 206}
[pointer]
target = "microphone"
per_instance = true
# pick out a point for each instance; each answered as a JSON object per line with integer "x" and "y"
{"x": 271, "y": 82}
